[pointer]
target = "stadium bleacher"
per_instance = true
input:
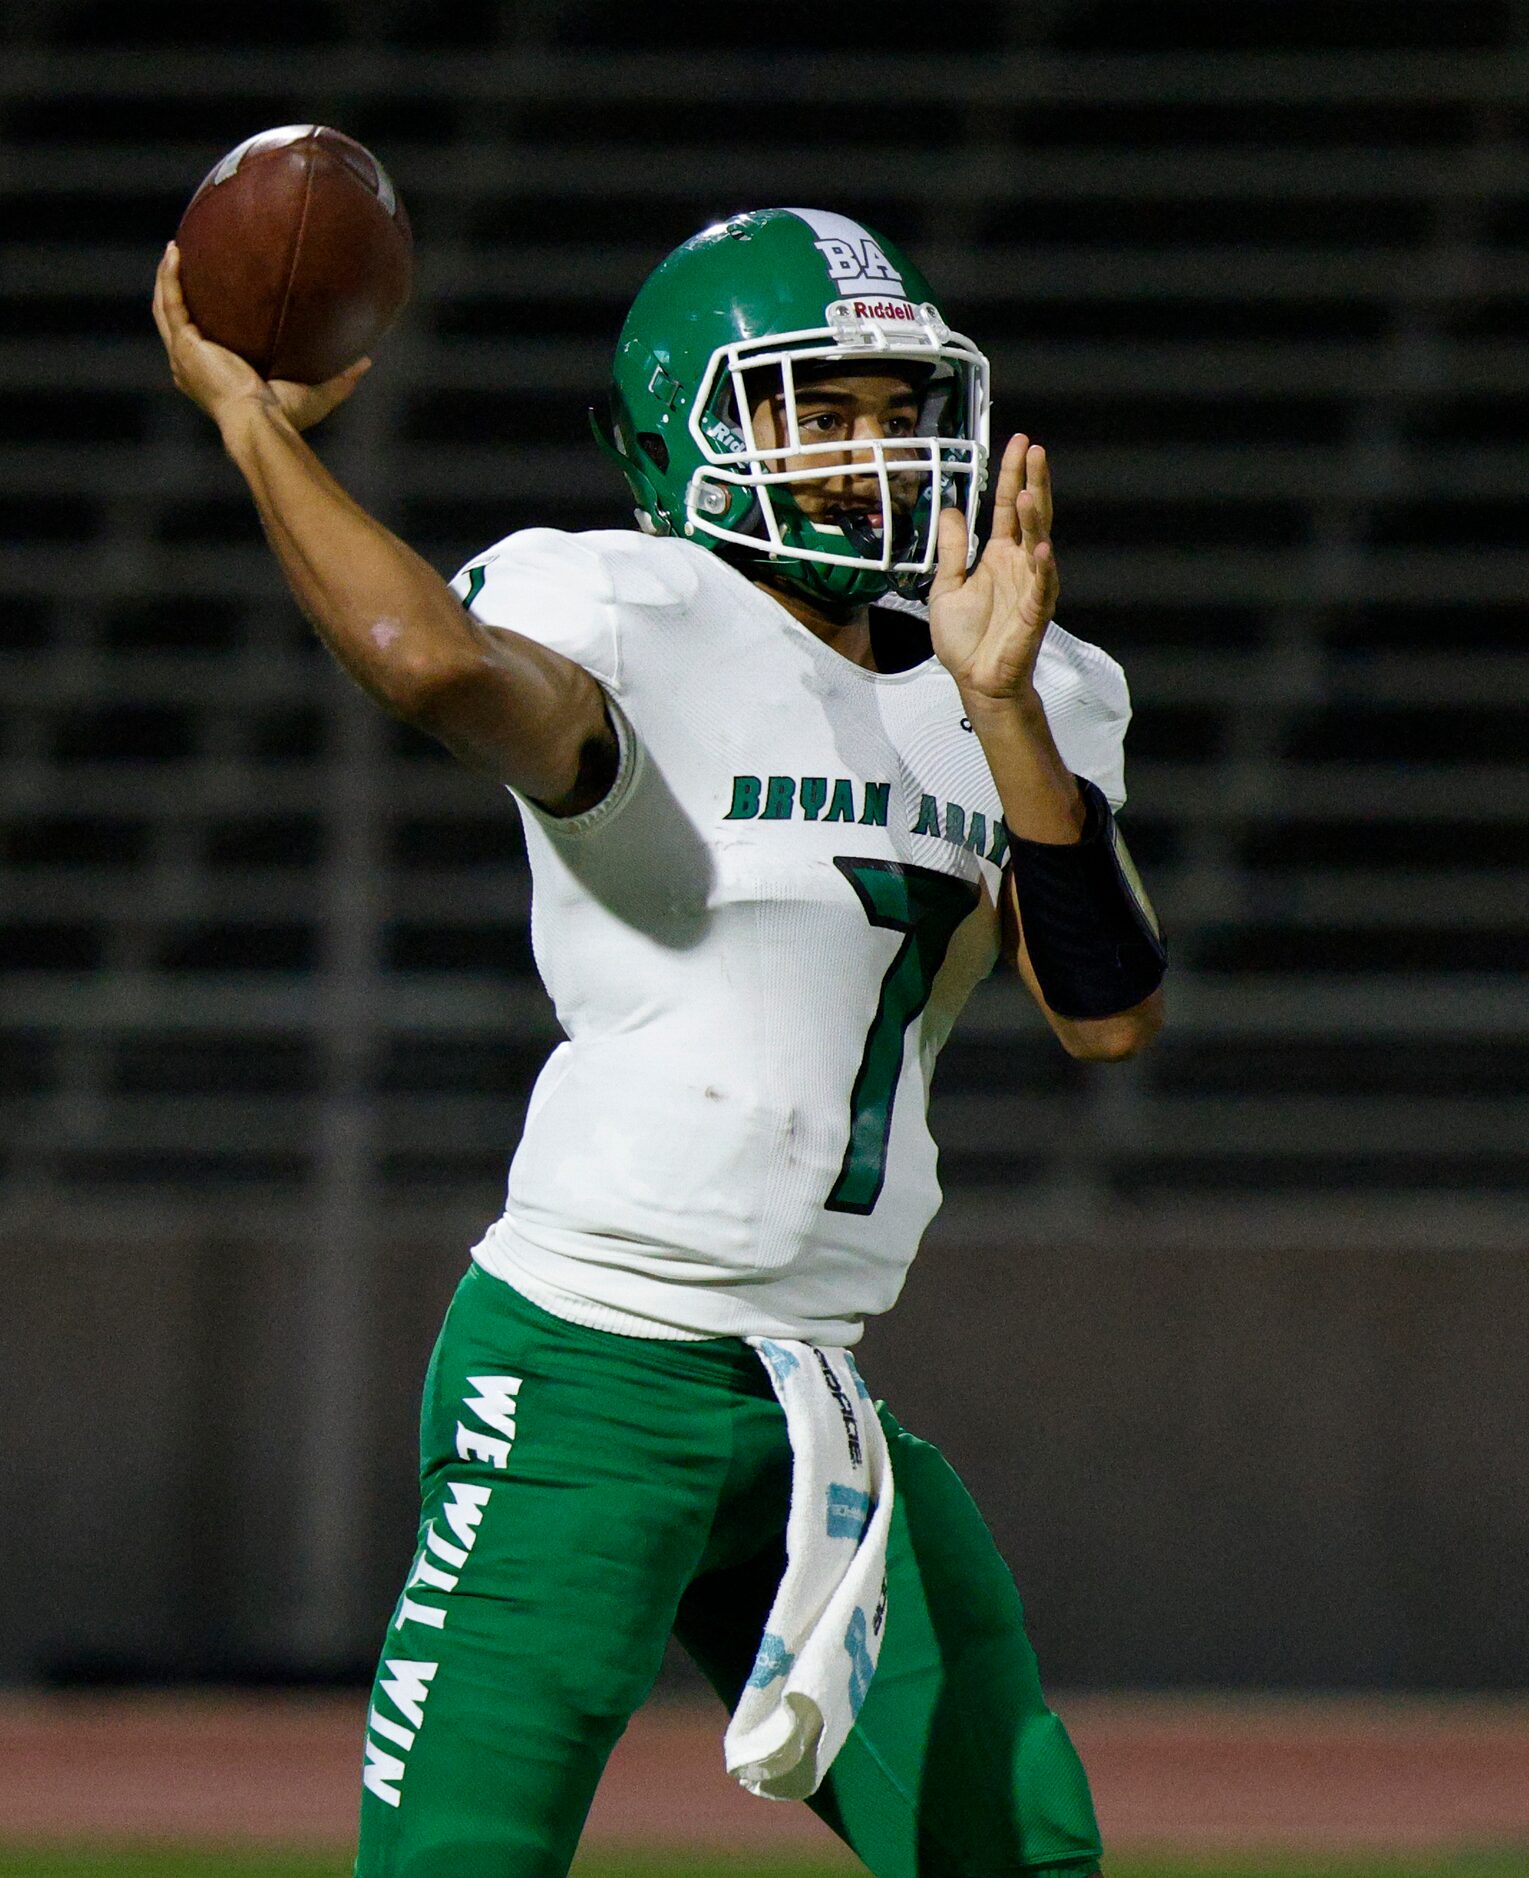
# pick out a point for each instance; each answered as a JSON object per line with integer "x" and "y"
{"x": 1258, "y": 276}
{"x": 1266, "y": 308}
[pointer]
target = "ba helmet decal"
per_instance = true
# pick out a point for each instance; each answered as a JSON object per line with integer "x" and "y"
{"x": 855, "y": 259}
{"x": 861, "y": 267}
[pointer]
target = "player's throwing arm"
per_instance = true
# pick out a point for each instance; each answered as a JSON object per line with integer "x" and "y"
{"x": 516, "y": 710}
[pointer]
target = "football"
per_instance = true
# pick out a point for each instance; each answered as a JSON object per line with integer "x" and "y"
{"x": 296, "y": 252}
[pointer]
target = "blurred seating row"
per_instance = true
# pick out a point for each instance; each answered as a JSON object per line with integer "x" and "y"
{"x": 1262, "y": 292}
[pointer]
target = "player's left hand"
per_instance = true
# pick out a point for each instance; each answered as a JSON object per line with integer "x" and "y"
{"x": 987, "y": 625}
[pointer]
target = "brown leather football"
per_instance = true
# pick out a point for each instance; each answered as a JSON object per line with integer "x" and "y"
{"x": 296, "y": 252}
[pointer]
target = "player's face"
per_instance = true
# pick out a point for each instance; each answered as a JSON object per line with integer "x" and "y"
{"x": 849, "y": 408}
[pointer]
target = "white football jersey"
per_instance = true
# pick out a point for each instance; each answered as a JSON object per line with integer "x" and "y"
{"x": 756, "y": 944}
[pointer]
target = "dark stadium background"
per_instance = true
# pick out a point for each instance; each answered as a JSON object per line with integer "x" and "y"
{"x": 1230, "y": 1342}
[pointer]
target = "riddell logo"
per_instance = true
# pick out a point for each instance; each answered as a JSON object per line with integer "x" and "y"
{"x": 884, "y": 310}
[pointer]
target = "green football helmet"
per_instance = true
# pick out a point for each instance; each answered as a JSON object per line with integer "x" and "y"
{"x": 793, "y": 294}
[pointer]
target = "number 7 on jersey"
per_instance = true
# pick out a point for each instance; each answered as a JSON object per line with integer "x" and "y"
{"x": 926, "y": 908}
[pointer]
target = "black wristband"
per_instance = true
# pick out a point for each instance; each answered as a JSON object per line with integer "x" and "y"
{"x": 1092, "y": 936}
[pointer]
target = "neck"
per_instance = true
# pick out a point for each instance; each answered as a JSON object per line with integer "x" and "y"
{"x": 847, "y": 632}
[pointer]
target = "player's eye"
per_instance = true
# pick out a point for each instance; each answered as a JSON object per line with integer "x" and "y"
{"x": 821, "y": 424}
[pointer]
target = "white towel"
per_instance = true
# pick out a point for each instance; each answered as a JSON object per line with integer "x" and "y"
{"x": 823, "y": 1635}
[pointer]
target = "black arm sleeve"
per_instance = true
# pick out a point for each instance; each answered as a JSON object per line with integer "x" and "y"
{"x": 1092, "y": 936}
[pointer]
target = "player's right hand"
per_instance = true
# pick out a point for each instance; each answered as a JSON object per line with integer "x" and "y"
{"x": 219, "y": 380}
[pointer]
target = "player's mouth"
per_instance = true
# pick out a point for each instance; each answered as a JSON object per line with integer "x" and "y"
{"x": 850, "y": 519}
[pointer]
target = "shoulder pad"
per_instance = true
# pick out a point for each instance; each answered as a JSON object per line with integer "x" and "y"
{"x": 645, "y": 570}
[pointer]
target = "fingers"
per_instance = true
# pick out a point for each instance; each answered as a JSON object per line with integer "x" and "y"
{"x": 340, "y": 386}
{"x": 161, "y": 317}
{"x": 1031, "y": 532}
{"x": 1034, "y": 502}
{"x": 1045, "y": 589}
{"x": 1011, "y": 480}
{"x": 175, "y": 300}
{"x": 307, "y": 405}
{"x": 1022, "y": 500}
{"x": 170, "y": 314}
{"x": 336, "y": 390}
{"x": 950, "y": 554}
{"x": 1032, "y": 508}
{"x": 1038, "y": 482}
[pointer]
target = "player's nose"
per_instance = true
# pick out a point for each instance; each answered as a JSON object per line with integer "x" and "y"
{"x": 859, "y": 483}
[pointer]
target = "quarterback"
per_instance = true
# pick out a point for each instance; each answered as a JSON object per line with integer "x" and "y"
{"x": 796, "y": 765}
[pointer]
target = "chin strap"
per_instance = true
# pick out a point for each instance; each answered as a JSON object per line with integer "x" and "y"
{"x": 1094, "y": 941}
{"x": 860, "y": 532}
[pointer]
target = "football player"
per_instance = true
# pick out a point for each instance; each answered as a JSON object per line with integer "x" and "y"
{"x": 795, "y": 764}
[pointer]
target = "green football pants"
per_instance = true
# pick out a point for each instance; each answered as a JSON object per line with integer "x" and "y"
{"x": 585, "y": 1495}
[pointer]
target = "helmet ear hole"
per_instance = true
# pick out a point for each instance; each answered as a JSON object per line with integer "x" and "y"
{"x": 654, "y": 449}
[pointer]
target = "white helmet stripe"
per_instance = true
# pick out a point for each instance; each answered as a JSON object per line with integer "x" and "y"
{"x": 852, "y": 255}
